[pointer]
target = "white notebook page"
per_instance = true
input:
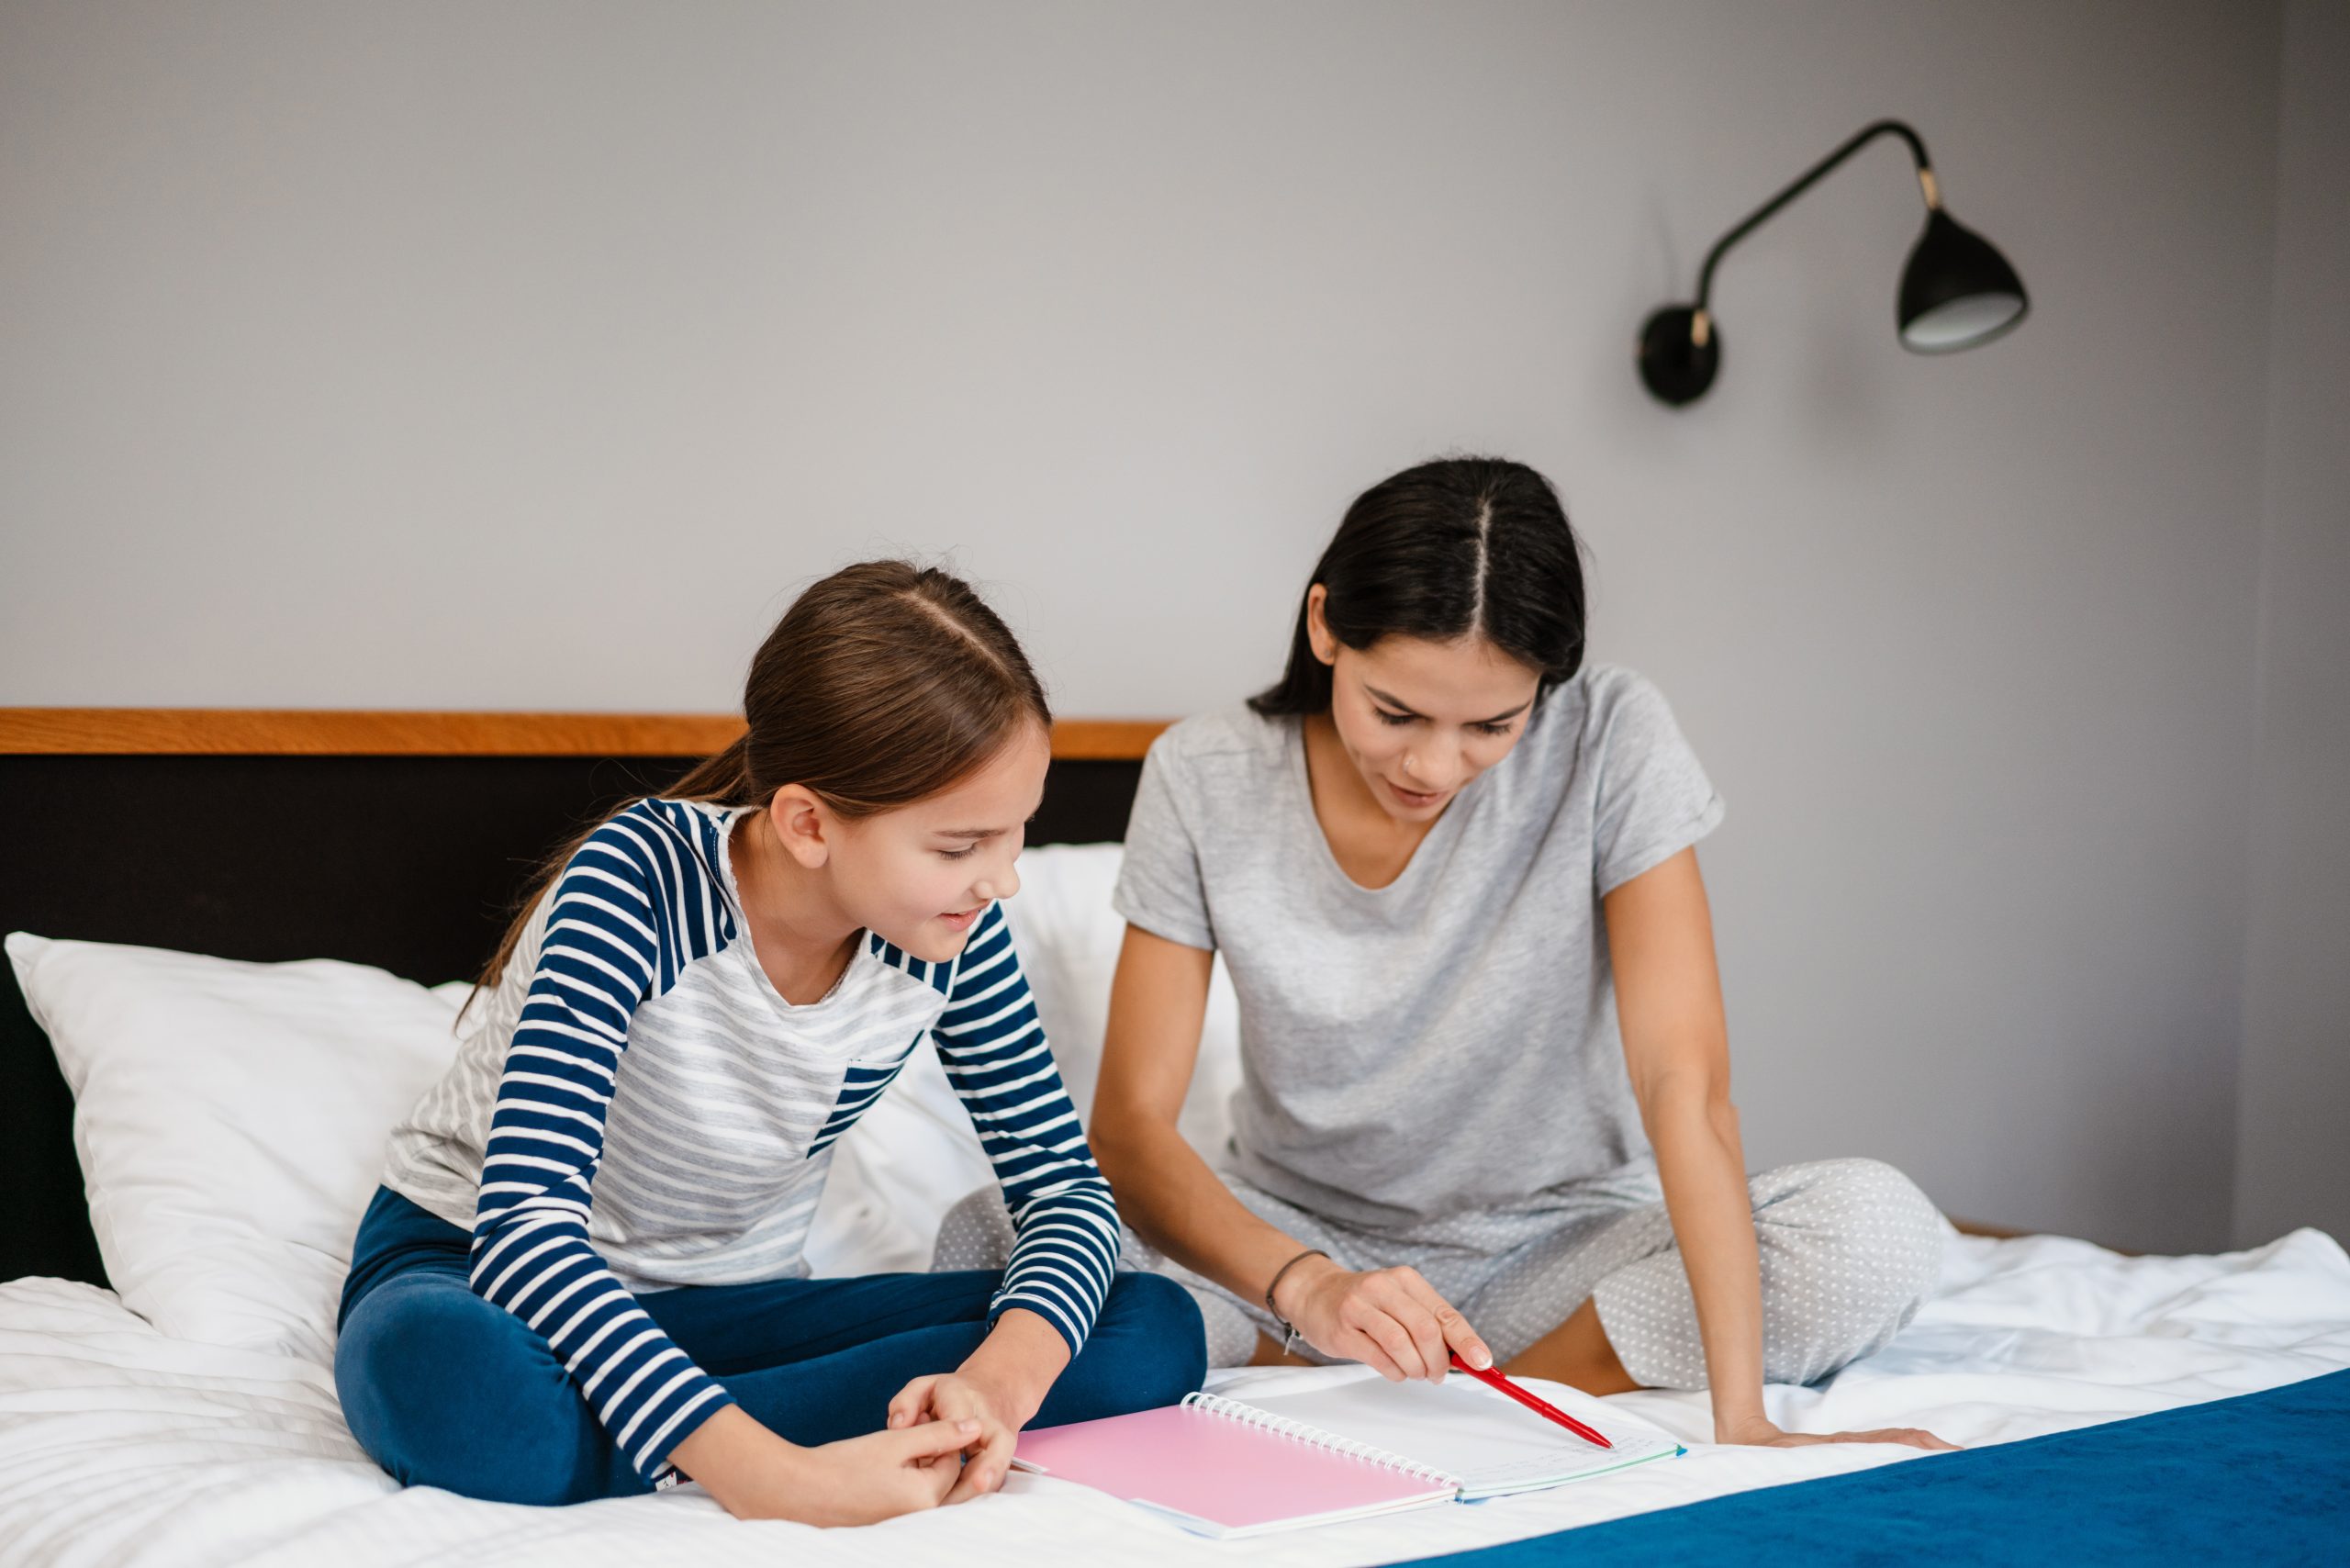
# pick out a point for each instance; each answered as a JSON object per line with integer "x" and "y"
{"x": 1492, "y": 1443}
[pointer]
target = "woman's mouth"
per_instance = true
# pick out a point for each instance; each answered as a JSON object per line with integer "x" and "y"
{"x": 1412, "y": 799}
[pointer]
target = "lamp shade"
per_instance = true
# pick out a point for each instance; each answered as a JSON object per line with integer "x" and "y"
{"x": 1957, "y": 290}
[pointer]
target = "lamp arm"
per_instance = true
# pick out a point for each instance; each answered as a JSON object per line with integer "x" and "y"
{"x": 1701, "y": 323}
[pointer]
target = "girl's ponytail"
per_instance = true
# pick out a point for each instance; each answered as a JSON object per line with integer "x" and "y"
{"x": 723, "y": 779}
{"x": 882, "y": 685}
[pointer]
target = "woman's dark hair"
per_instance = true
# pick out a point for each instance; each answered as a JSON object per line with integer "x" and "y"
{"x": 882, "y": 685}
{"x": 1457, "y": 547}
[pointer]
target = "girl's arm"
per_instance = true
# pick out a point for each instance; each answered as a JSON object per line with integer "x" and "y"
{"x": 1669, "y": 1003}
{"x": 1065, "y": 1223}
{"x": 600, "y": 958}
{"x": 1388, "y": 1319}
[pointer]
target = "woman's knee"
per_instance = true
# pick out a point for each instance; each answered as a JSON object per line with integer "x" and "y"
{"x": 444, "y": 1388}
{"x": 976, "y": 1234}
{"x": 1894, "y": 1232}
{"x": 1865, "y": 1256}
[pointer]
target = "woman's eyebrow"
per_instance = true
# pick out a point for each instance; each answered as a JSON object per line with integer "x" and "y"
{"x": 1497, "y": 719}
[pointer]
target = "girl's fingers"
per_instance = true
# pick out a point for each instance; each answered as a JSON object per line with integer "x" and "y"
{"x": 984, "y": 1472}
{"x": 933, "y": 1439}
{"x": 907, "y": 1407}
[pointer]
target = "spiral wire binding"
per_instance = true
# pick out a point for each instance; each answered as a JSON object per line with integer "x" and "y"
{"x": 1314, "y": 1436}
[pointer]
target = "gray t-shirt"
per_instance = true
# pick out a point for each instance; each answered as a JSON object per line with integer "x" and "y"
{"x": 1446, "y": 1044}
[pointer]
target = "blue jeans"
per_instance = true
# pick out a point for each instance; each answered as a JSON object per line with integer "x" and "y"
{"x": 445, "y": 1389}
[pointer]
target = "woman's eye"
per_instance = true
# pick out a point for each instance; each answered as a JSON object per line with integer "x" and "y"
{"x": 1493, "y": 729}
{"x": 1387, "y": 718}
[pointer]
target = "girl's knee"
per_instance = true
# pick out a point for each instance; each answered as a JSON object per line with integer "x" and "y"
{"x": 1163, "y": 1343}
{"x": 445, "y": 1389}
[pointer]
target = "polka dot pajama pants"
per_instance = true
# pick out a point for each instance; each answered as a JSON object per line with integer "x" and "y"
{"x": 1848, "y": 1249}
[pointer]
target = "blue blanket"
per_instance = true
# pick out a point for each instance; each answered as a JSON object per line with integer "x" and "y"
{"x": 2261, "y": 1478}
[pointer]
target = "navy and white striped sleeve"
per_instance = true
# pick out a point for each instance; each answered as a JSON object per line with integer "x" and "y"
{"x": 631, "y": 909}
{"x": 993, "y": 1048}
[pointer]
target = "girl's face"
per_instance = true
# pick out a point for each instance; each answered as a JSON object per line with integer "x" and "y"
{"x": 1417, "y": 719}
{"x": 919, "y": 876}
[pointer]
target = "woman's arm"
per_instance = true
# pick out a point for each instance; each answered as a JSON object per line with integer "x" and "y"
{"x": 1388, "y": 1319}
{"x": 1676, "y": 1046}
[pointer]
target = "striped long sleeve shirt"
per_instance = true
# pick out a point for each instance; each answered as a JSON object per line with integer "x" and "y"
{"x": 639, "y": 1109}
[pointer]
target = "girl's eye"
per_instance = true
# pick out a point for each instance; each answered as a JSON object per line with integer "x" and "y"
{"x": 1501, "y": 729}
{"x": 1387, "y": 718}
{"x": 963, "y": 853}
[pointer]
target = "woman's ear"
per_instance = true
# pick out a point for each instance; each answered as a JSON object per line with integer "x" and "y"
{"x": 802, "y": 824}
{"x": 1319, "y": 635}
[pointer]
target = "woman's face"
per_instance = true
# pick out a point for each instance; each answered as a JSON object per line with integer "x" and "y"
{"x": 1417, "y": 719}
{"x": 921, "y": 875}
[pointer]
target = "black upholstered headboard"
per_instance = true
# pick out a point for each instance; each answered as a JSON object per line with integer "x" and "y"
{"x": 397, "y": 840}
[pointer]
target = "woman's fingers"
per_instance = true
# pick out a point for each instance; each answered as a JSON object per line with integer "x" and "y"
{"x": 1455, "y": 1329}
{"x": 1395, "y": 1358}
{"x": 1453, "y": 1332}
{"x": 1915, "y": 1438}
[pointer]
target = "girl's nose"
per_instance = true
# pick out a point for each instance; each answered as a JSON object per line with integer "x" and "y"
{"x": 1000, "y": 885}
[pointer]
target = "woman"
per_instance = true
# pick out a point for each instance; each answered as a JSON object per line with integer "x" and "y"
{"x": 1485, "y": 1076}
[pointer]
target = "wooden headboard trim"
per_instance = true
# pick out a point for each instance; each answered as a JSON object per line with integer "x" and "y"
{"x": 280, "y": 732}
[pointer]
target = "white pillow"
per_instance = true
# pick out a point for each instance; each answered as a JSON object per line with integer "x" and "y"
{"x": 231, "y": 1119}
{"x": 913, "y": 1154}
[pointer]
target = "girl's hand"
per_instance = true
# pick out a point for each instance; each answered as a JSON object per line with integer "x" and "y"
{"x": 1390, "y": 1319}
{"x": 961, "y": 1398}
{"x": 1759, "y": 1433}
{"x": 755, "y": 1474}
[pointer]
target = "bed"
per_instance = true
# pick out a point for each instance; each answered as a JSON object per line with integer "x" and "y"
{"x": 159, "y": 1438}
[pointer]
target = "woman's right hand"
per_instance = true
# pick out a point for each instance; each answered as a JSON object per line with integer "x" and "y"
{"x": 755, "y": 1474}
{"x": 1390, "y": 1319}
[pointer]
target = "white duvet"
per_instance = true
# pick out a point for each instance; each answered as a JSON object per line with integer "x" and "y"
{"x": 121, "y": 1445}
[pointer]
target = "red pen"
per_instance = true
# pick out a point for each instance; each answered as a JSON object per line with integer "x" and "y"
{"x": 1543, "y": 1408}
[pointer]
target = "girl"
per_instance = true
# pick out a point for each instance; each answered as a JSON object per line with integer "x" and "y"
{"x": 1484, "y": 1071}
{"x": 583, "y": 1274}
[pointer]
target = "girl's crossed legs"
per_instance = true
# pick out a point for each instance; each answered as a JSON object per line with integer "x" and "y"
{"x": 444, "y": 1388}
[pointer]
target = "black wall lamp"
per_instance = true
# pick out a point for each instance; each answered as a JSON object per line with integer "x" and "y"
{"x": 1957, "y": 290}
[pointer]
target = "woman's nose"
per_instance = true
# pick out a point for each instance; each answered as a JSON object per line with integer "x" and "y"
{"x": 1432, "y": 769}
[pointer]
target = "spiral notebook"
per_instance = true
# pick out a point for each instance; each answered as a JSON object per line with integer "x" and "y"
{"x": 1344, "y": 1449}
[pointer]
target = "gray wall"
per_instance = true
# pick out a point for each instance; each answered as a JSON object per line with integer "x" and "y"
{"x": 530, "y": 356}
{"x": 2293, "y": 1166}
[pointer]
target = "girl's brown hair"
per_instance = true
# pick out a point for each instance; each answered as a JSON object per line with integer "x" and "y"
{"x": 882, "y": 685}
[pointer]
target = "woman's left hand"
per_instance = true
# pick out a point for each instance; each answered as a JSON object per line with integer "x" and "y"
{"x": 1764, "y": 1434}
{"x": 957, "y": 1397}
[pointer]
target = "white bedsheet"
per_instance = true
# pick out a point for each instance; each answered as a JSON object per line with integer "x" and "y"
{"x": 120, "y": 1446}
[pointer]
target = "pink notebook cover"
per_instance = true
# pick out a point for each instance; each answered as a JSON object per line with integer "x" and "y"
{"x": 1217, "y": 1473}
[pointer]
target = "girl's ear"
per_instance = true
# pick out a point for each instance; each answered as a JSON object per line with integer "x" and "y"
{"x": 802, "y": 825}
{"x": 1319, "y": 635}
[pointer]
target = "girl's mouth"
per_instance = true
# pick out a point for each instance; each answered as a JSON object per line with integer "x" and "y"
{"x": 961, "y": 921}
